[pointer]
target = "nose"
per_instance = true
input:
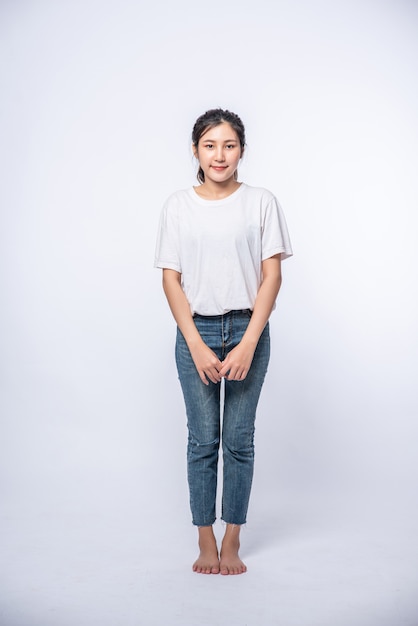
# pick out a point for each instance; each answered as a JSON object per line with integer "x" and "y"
{"x": 219, "y": 157}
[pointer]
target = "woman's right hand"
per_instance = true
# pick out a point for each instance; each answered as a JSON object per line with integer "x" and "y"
{"x": 207, "y": 363}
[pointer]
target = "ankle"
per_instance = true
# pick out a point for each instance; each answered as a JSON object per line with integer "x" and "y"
{"x": 232, "y": 536}
{"x": 206, "y": 535}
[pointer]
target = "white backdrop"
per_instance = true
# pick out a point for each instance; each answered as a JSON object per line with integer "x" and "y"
{"x": 98, "y": 101}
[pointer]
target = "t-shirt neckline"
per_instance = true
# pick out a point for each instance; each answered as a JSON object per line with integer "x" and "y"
{"x": 231, "y": 196}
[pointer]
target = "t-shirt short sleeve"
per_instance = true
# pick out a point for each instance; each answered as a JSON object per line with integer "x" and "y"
{"x": 167, "y": 249}
{"x": 275, "y": 236}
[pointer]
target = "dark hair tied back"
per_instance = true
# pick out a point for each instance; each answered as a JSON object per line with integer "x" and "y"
{"x": 213, "y": 118}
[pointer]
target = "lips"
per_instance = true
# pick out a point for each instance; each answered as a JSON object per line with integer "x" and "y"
{"x": 218, "y": 168}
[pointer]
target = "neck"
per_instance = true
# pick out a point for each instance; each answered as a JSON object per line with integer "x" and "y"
{"x": 217, "y": 191}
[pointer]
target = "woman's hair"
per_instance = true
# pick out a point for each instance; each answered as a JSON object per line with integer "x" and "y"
{"x": 213, "y": 118}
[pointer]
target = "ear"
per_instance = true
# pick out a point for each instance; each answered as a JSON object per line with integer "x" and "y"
{"x": 195, "y": 153}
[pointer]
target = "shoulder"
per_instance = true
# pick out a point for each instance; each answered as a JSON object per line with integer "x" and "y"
{"x": 179, "y": 199}
{"x": 259, "y": 193}
{"x": 175, "y": 201}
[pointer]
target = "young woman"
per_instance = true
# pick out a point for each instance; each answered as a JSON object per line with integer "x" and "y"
{"x": 220, "y": 247}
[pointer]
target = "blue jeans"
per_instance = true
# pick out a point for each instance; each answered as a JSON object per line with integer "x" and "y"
{"x": 206, "y": 405}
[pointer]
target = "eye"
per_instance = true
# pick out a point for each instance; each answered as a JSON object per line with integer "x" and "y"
{"x": 230, "y": 146}
{"x": 209, "y": 145}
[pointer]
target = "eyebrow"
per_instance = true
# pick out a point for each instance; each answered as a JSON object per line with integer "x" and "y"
{"x": 226, "y": 140}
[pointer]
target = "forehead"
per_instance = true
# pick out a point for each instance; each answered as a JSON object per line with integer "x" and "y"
{"x": 221, "y": 132}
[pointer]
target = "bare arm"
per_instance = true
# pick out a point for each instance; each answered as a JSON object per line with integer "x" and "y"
{"x": 238, "y": 361}
{"x": 205, "y": 360}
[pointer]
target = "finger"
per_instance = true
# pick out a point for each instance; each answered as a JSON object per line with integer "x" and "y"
{"x": 213, "y": 375}
{"x": 203, "y": 378}
{"x": 237, "y": 375}
{"x": 224, "y": 369}
{"x": 217, "y": 376}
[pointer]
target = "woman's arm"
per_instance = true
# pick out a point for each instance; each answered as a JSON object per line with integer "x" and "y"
{"x": 238, "y": 362}
{"x": 207, "y": 363}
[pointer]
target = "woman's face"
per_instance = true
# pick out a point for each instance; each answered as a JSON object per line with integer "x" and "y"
{"x": 219, "y": 152}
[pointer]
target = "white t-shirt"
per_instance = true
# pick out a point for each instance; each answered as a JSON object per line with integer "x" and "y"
{"x": 218, "y": 245}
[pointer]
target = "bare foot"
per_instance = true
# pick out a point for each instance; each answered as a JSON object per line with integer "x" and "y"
{"x": 230, "y": 562}
{"x": 208, "y": 561}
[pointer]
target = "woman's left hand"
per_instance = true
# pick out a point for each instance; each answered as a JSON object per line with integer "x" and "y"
{"x": 237, "y": 362}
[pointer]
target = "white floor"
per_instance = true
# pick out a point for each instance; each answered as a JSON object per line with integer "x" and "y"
{"x": 88, "y": 556}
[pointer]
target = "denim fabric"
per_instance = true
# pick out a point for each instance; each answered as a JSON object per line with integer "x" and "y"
{"x": 207, "y": 407}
